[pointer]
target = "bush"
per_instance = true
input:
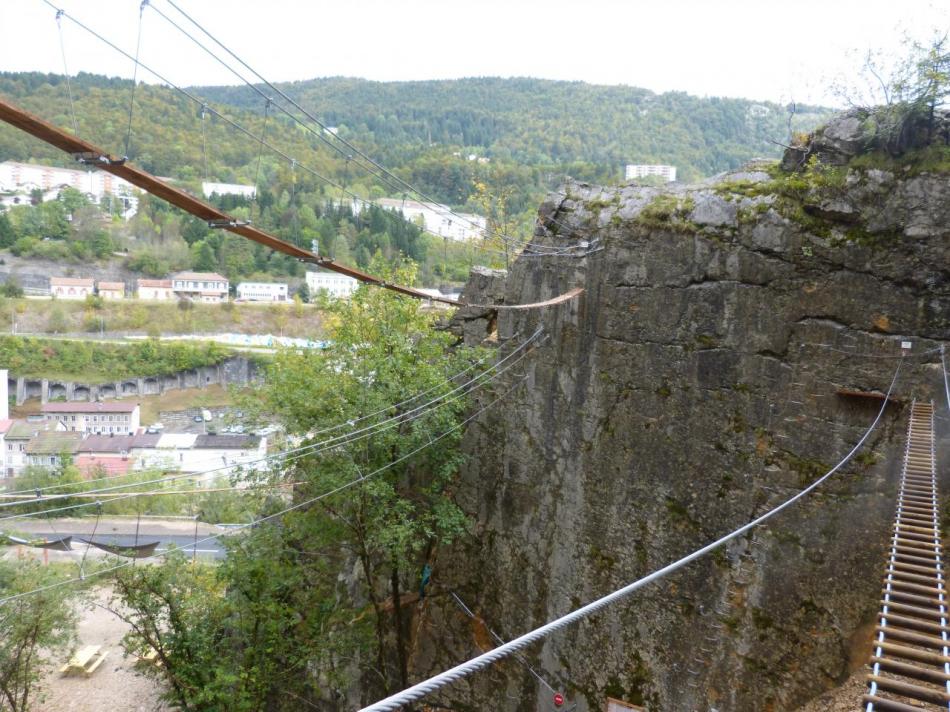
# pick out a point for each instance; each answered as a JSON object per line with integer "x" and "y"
{"x": 11, "y": 288}
{"x": 56, "y": 321}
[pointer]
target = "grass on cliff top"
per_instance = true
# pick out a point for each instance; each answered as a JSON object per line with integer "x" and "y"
{"x": 932, "y": 159}
{"x": 668, "y": 212}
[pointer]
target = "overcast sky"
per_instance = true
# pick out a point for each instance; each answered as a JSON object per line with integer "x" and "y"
{"x": 759, "y": 49}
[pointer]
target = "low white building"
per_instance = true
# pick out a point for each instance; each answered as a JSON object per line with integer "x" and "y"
{"x": 643, "y": 170}
{"x": 335, "y": 284}
{"x": 71, "y": 287}
{"x": 119, "y": 417}
{"x": 111, "y": 290}
{"x": 200, "y": 286}
{"x": 159, "y": 290}
{"x": 262, "y": 292}
{"x": 436, "y": 218}
{"x": 218, "y": 456}
{"x": 209, "y": 189}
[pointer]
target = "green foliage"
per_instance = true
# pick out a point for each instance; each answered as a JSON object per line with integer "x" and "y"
{"x": 11, "y": 288}
{"x": 242, "y": 635}
{"x": 67, "y": 480}
{"x": 88, "y": 360}
{"x": 383, "y": 350}
{"x": 667, "y": 211}
{"x": 34, "y": 629}
{"x": 7, "y": 234}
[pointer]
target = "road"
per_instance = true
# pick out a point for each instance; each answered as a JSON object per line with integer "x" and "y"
{"x": 169, "y": 533}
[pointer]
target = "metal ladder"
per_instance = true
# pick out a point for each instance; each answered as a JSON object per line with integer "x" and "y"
{"x": 911, "y": 655}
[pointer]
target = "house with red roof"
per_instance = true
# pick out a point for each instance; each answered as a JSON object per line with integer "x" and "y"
{"x": 71, "y": 287}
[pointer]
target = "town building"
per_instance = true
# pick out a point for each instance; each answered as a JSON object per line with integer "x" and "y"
{"x": 111, "y": 290}
{"x": 48, "y": 448}
{"x": 155, "y": 289}
{"x": 112, "y": 455}
{"x": 209, "y": 189}
{"x": 634, "y": 171}
{"x": 113, "y": 417}
{"x": 334, "y": 284}
{"x": 71, "y": 287}
{"x": 16, "y": 439}
{"x": 434, "y": 218}
{"x": 20, "y": 179}
{"x": 225, "y": 456}
{"x": 200, "y": 286}
{"x": 219, "y": 456}
{"x": 262, "y": 292}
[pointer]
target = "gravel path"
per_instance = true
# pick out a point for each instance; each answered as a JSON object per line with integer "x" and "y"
{"x": 115, "y": 687}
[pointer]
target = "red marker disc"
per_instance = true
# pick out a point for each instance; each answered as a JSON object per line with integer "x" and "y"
{"x": 558, "y": 699}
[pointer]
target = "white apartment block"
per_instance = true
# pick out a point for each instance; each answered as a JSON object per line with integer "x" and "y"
{"x": 436, "y": 219}
{"x": 71, "y": 287}
{"x": 334, "y": 284}
{"x": 209, "y": 189}
{"x": 262, "y": 291}
{"x": 159, "y": 290}
{"x": 633, "y": 171}
{"x": 116, "y": 417}
{"x": 200, "y": 286}
{"x": 22, "y": 178}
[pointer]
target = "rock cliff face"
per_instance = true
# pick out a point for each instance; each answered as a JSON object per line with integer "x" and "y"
{"x": 712, "y": 368}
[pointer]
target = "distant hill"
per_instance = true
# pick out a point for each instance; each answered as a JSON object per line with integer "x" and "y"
{"x": 543, "y": 122}
{"x": 535, "y": 130}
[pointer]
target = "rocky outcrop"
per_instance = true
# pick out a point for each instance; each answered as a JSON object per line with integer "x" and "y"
{"x": 714, "y": 365}
{"x": 892, "y": 130}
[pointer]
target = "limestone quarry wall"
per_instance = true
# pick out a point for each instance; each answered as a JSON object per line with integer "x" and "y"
{"x": 708, "y": 372}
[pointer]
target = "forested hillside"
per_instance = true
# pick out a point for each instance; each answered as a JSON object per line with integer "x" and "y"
{"x": 544, "y": 123}
{"x": 415, "y": 127}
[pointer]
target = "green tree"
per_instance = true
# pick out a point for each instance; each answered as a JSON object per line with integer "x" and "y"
{"x": 383, "y": 350}
{"x": 244, "y": 635}
{"x": 34, "y": 629}
{"x": 56, "y": 321}
{"x": 11, "y": 288}
{"x": 203, "y": 257}
{"x": 7, "y": 234}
